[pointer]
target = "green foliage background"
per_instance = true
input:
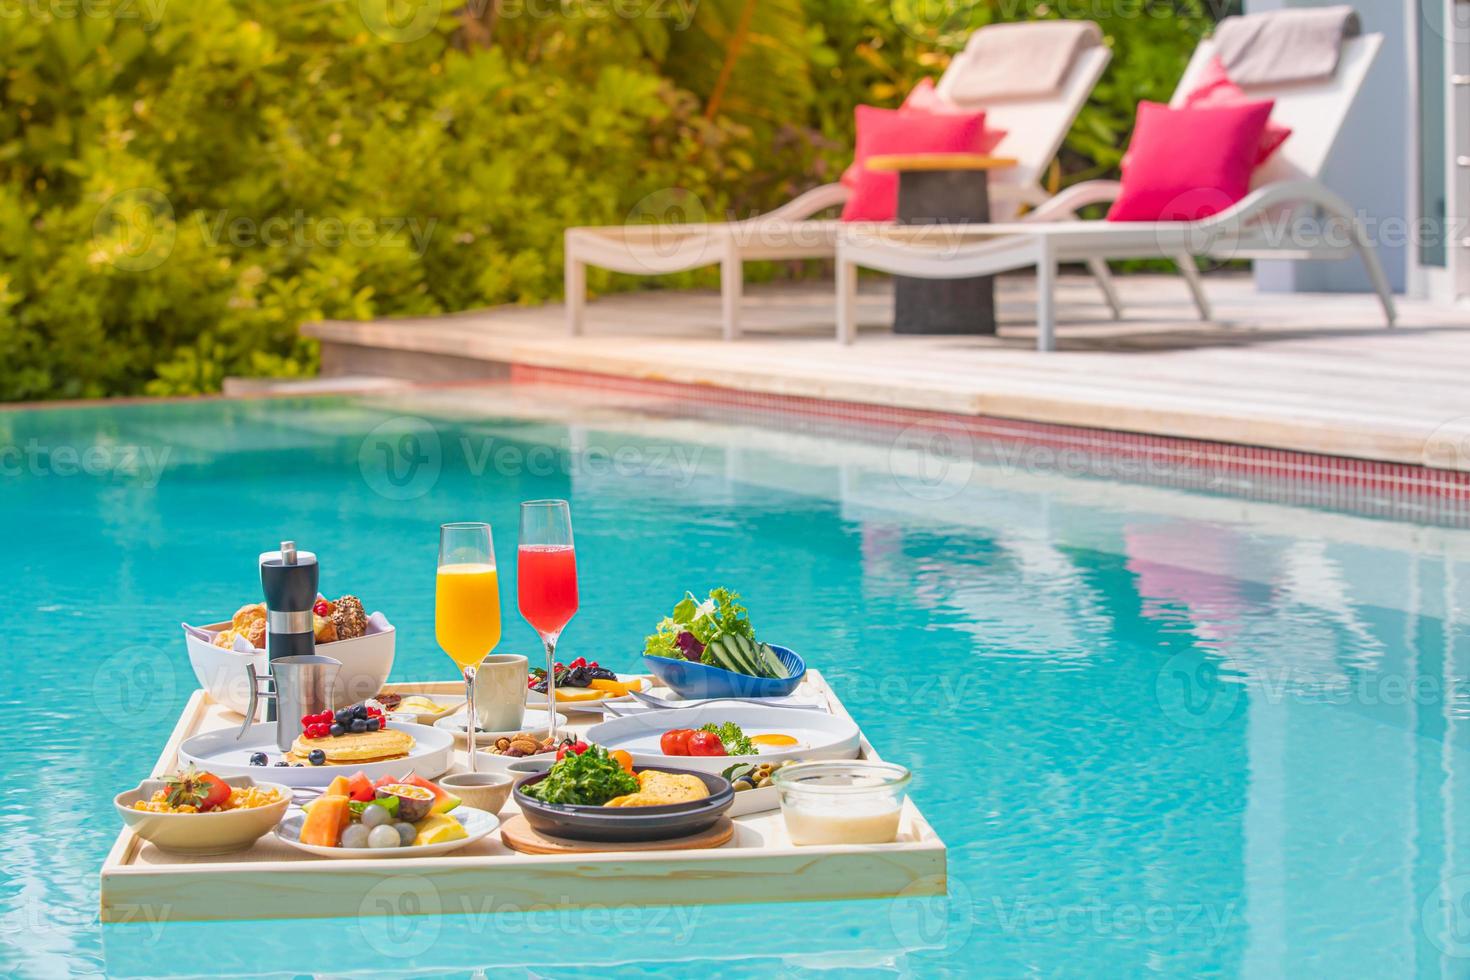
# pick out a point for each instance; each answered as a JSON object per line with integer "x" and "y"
{"x": 135, "y": 138}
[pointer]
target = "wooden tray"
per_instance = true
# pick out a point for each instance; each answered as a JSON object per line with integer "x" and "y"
{"x": 142, "y": 884}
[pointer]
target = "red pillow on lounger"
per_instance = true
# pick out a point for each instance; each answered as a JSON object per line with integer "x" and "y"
{"x": 1216, "y": 89}
{"x": 1186, "y": 164}
{"x": 883, "y": 131}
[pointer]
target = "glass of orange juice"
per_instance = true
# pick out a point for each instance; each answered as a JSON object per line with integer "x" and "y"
{"x": 467, "y": 606}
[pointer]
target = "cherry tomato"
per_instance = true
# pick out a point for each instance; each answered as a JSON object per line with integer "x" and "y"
{"x": 705, "y": 743}
{"x": 576, "y": 748}
{"x": 623, "y": 759}
{"x": 675, "y": 741}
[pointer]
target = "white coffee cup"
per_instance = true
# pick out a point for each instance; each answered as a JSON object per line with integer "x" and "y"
{"x": 500, "y": 692}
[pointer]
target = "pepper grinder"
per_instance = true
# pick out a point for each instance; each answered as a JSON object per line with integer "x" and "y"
{"x": 289, "y": 579}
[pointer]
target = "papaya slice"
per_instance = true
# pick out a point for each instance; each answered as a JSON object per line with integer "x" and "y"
{"x": 325, "y": 821}
{"x": 337, "y": 787}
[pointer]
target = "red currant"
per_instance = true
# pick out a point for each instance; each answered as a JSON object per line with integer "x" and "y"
{"x": 321, "y": 608}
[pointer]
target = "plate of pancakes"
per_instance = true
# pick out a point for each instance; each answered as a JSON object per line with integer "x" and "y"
{"x": 393, "y": 750}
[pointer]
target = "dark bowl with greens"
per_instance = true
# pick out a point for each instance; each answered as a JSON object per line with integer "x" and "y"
{"x": 567, "y": 801}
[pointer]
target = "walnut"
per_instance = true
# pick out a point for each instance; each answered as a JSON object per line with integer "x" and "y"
{"x": 525, "y": 745}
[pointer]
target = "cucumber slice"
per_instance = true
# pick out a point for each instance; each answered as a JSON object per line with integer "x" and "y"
{"x": 775, "y": 668}
{"x": 740, "y": 658}
{"x": 728, "y": 656}
{"x": 752, "y": 654}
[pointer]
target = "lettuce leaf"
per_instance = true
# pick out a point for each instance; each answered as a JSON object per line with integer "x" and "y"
{"x": 720, "y": 614}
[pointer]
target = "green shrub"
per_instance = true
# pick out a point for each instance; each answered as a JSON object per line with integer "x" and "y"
{"x": 179, "y": 194}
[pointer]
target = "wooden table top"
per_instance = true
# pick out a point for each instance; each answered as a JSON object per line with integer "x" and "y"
{"x": 938, "y": 161}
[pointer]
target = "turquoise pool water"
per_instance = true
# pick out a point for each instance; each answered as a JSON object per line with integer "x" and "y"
{"x": 1160, "y": 732}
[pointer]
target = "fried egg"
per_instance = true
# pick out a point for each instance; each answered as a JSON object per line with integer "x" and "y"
{"x": 774, "y": 740}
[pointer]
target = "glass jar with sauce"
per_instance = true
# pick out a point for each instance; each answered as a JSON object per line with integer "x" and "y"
{"x": 855, "y": 801}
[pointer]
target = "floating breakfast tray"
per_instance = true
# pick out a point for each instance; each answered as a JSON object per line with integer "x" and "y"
{"x": 272, "y": 880}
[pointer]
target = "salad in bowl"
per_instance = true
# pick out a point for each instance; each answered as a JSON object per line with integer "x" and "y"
{"x": 709, "y": 649}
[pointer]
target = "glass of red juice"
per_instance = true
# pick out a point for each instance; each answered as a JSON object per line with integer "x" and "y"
{"x": 546, "y": 580}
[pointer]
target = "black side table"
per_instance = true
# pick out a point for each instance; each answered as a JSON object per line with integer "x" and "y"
{"x": 943, "y": 188}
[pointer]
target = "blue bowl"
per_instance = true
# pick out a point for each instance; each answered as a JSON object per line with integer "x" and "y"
{"x": 691, "y": 680}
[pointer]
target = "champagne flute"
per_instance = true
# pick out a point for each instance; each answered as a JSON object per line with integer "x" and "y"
{"x": 546, "y": 580}
{"x": 467, "y": 606}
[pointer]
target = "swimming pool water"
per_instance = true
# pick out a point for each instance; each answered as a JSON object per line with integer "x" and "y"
{"x": 1159, "y": 732}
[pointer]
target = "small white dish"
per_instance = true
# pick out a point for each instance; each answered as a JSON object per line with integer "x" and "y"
{"x": 202, "y": 833}
{"x": 477, "y": 824}
{"x": 534, "y": 723}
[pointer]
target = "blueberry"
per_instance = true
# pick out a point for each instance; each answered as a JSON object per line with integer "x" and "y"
{"x": 258, "y": 759}
{"x": 283, "y": 762}
{"x": 344, "y": 717}
{"x": 337, "y": 730}
{"x": 317, "y": 757}
{"x": 374, "y": 724}
{"x": 359, "y": 725}
{"x": 300, "y": 765}
{"x": 359, "y": 711}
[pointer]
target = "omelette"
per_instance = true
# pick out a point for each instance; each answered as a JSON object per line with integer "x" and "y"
{"x": 662, "y": 788}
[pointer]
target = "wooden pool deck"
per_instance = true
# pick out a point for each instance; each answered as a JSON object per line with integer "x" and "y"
{"x": 1312, "y": 373}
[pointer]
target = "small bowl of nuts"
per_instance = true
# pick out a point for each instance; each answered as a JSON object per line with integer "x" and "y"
{"x": 507, "y": 749}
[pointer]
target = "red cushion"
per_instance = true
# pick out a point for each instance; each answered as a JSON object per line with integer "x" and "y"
{"x": 874, "y": 194}
{"x": 1216, "y": 89}
{"x": 1186, "y": 164}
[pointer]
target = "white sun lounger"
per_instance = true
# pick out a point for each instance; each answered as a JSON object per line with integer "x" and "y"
{"x": 1256, "y": 227}
{"x": 1034, "y": 129}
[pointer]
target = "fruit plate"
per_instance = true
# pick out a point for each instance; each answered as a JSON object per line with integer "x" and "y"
{"x": 817, "y": 735}
{"x": 476, "y": 823}
{"x": 535, "y": 722}
{"x": 223, "y": 754}
{"x": 535, "y": 699}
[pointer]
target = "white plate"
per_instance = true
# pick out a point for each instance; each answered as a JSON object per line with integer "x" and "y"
{"x": 476, "y": 823}
{"x": 819, "y": 736}
{"x": 221, "y": 754}
{"x": 538, "y": 700}
{"x": 534, "y": 722}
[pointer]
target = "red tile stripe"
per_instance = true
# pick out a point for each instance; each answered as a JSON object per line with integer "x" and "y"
{"x": 1398, "y": 490}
